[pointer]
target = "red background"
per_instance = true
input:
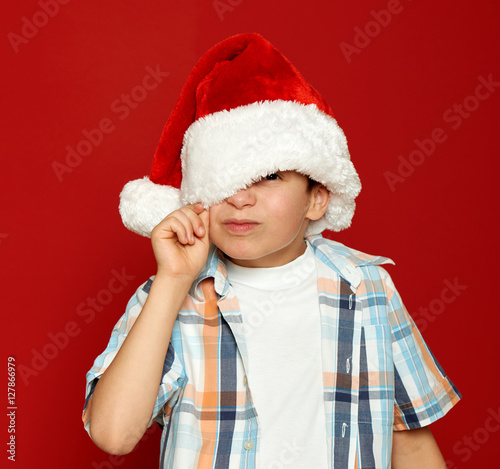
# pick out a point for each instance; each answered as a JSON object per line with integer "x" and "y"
{"x": 61, "y": 240}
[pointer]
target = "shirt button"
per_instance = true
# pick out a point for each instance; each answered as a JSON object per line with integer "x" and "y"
{"x": 248, "y": 445}
{"x": 244, "y": 380}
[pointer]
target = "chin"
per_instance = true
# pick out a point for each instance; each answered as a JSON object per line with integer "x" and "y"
{"x": 239, "y": 255}
{"x": 237, "y": 249}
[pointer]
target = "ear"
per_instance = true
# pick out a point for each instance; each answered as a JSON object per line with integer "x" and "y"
{"x": 320, "y": 198}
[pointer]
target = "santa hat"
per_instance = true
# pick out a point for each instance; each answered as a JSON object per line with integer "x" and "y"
{"x": 244, "y": 112}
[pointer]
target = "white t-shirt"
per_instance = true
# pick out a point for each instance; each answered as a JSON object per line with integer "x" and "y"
{"x": 280, "y": 312}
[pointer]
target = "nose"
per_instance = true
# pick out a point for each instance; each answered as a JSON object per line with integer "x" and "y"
{"x": 243, "y": 198}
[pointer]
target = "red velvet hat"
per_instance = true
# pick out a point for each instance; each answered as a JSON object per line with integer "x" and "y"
{"x": 244, "y": 112}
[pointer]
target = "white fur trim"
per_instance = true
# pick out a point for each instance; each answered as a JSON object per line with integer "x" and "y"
{"x": 144, "y": 204}
{"x": 229, "y": 150}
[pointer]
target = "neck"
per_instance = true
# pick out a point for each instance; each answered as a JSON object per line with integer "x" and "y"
{"x": 275, "y": 259}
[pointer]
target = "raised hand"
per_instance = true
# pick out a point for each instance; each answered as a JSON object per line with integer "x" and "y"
{"x": 181, "y": 243}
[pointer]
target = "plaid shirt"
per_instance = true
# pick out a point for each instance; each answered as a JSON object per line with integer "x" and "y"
{"x": 378, "y": 373}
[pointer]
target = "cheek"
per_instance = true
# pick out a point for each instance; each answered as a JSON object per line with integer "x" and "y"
{"x": 214, "y": 229}
{"x": 213, "y": 214}
{"x": 291, "y": 209}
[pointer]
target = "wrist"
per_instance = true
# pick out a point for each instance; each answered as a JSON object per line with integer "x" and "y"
{"x": 181, "y": 281}
{"x": 167, "y": 293}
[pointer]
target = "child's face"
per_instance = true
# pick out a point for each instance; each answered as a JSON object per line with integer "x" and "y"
{"x": 264, "y": 225}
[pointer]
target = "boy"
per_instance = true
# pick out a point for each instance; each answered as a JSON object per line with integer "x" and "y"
{"x": 260, "y": 344}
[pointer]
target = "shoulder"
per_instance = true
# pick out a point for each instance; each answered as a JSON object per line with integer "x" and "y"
{"x": 334, "y": 249}
{"x": 353, "y": 265}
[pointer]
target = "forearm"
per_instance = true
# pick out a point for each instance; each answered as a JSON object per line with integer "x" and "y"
{"x": 415, "y": 449}
{"x": 124, "y": 397}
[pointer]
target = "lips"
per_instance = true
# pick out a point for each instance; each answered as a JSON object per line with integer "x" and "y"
{"x": 235, "y": 225}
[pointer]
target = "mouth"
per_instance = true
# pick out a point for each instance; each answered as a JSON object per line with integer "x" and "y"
{"x": 236, "y": 226}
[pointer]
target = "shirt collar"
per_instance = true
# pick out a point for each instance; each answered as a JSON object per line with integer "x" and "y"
{"x": 214, "y": 268}
{"x": 335, "y": 255}
{"x": 344, "y": 260}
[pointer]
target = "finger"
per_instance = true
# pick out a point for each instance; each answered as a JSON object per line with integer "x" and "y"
{"x": 198, "y": 208}
{"x": 173, "y": 227}
{"x": 195, "y": 219}
{"x": 205, "y": 218}
{"x": 190, "y": 221}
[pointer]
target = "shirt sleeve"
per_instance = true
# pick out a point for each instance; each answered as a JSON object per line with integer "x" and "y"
{"x": 173, "y": 371}
{"x": 423, "y": 392}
